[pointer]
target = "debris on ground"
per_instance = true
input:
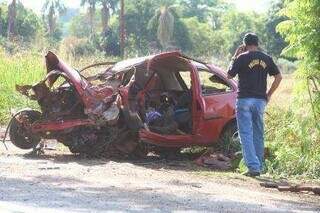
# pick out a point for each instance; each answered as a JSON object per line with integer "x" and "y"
{"x": 214, "y": 161}
{"x": 292, "y": 188}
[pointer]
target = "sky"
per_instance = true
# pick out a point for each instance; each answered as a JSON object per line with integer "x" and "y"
{"x": 242, "y": 5}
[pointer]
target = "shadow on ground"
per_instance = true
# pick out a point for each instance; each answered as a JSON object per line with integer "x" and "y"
{"x": 184, "y": 162}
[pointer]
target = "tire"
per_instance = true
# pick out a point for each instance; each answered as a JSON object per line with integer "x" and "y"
{"x": 229, "y": 142}
{"x": 19, "y": 135}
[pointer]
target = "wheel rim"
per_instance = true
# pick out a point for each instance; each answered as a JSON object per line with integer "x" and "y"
{"x": 19, "y": 135}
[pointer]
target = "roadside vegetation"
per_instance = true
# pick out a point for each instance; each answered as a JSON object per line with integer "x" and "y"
{"x": 209, "y": 30}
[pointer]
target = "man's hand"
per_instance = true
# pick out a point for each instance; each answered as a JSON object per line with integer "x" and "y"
{"x": 268, "y": 98}
{"x": 274, "y": 86}
{"x": 241, "y": 49}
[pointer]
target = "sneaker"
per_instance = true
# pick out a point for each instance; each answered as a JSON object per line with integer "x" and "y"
{"x": 251, "y": 174}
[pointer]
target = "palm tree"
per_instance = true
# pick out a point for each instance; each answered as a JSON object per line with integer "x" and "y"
{"x": 107, "y": 7}
{"x": 12, "y": 13}
{"x": 51, "y": 9}
{"x": 165, "y": 19}
{"x": 92, "y": 12}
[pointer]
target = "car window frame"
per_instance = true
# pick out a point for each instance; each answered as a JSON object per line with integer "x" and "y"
{"x": 209, "y": 70}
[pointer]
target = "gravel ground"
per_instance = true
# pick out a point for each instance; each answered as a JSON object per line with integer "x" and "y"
{"x": 60, "y": 182}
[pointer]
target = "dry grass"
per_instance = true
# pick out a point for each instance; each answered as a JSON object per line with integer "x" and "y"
{"x": 283, "y": 97}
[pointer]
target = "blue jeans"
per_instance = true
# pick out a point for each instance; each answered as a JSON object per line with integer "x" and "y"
{"x": 250, "y": 113}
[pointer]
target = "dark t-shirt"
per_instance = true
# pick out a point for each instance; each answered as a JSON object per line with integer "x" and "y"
{"x": 252, "y": 69}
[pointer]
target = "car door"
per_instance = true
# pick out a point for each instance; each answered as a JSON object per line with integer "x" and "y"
{"x": 218, "y": 99}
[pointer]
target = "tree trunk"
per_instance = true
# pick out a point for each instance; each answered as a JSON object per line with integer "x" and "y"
{"x": 122, "y": 29}
{"x": 92, "y": 12}
{"x": 11, "y": 19}
{"x": 51, "y": 21}
{"x": 105, "y": 16}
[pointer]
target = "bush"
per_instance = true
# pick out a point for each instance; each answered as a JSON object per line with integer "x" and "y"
{"x": 73, "y": 47}
{"x": 294, "y": 143}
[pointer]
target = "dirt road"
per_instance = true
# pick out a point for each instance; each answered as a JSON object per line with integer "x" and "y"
{"x": 60, "y": 182}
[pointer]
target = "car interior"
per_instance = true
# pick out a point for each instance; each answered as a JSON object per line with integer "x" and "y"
{"x": 163, "y": 96}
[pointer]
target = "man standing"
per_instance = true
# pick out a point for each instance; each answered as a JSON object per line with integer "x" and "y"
{"x": 252, "y": 67}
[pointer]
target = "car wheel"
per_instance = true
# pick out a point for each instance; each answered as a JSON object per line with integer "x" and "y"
{"x": 19, "y": 135}
{"x": 229, "y": 142}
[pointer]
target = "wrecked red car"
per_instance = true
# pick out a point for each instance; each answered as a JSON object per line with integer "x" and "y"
{"x": 164, "y": 101}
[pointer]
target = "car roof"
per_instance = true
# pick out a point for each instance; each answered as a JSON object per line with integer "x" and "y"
{"x": 128, "y": 63}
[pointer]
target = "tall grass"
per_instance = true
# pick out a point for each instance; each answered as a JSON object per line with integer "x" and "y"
{"x": 294, "y": 143}
{"x": 19, "y": 69}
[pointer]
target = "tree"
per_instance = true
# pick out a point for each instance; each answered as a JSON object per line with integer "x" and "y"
{"x": 122, "y": 28}
{"x": 0, "y": 21}
{"x": 236, "y": 24}
{"x": 51, "y": 10}
{"x": 137, "y": 16}
{"x": 12, "y": 18}
{"x": 92, "y": 13}
{"x": 27, "y": 23}
{"x": 274, "y": 41}
{"x": 165, "y": 26}
{"x": 107, "y": 7}
{"x": 80, "y": 26}
{"x": 301, "y": 31}
{"x": 168, "y": 28}
{"x": 204, "y": 41}
{"x": 198, "y": 8}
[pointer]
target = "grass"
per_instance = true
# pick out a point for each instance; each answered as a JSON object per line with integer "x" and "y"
{"x": 283, "y": 97}
{"x": 291, "y": 133}
{"x": 294, "y": 144}
{"x": 20, "y": 69}
{"x": 27, "y": 68}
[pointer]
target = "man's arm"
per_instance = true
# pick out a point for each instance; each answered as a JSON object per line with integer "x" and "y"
{"x": 235, "y": 66}
{"x": 274, "y": 86}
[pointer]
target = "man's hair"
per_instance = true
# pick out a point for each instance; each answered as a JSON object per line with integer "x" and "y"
{"x": 251, "y": 39}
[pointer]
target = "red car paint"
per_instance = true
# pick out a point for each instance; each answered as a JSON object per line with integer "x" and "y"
{"x": 211, "y": 114}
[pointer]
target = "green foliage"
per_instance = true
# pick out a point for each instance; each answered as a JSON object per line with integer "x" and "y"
{"x": 180, "y": 39}
{"x": 301, "y": 31}
{"x": 166, "y": 26}
{"x": 52, "y": 9}
{"x": 201, "y": 36}
{"x": 80, "y": 26}
{"x": 28, "y": 24}
{"x": 236, "y": 24}
{"x": 73, "y": 47}
{"x": 24, "y": 69}
{"x": 202, "y": 9}
{"x": 137, "y": 16}
{"x": 286, "y": 66}
{"x": 294, "y": 143}
{"x": 274, "y": 42}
